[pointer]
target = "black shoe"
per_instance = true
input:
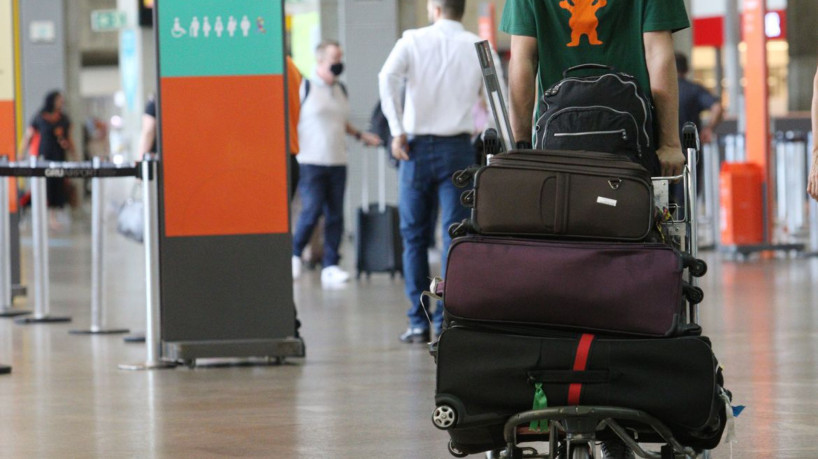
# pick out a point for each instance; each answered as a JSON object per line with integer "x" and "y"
{"x": 616, "y": 449}
{"x": 415, "y": 335}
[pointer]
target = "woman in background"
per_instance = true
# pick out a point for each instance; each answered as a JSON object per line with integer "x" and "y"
{"x": 49, "y": 136}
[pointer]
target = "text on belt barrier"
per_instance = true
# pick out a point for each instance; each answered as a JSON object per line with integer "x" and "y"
{"x": 66, "y": 169}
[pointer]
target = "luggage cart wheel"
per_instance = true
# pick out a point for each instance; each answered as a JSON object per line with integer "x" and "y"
{"x": 444, "y": 417}
{"x": 454, "y": 451}
{"x": 461, "y": 179}
{"x": 694, "y": 294}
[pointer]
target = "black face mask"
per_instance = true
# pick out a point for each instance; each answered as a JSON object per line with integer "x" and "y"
{"x": 337, "y": 69}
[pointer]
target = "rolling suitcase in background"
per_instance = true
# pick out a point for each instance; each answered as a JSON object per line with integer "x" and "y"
{"x": 621, "y": 288}
{"x": 573, "y": 194}
{"x": 484, "y": 377}
{"x": 377, "y": 239}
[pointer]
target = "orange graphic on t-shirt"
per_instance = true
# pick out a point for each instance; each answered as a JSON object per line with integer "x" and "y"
{"x": 583, "y": 19}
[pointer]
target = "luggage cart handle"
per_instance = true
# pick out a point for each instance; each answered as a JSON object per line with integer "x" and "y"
{"x": 690, "y": 137}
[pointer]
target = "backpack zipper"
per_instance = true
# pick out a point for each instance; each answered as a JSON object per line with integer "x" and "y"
{"x": 623, "y": 132}
{"x": 592, "y": 107}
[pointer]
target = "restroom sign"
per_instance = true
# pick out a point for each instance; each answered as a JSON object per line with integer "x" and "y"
{"x": 219, "y": 38}
{"x": 222, "y": 111}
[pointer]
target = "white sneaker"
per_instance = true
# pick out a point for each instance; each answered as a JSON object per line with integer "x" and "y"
{"x": 333, "y": 275}
{"x": 296, "y": 267}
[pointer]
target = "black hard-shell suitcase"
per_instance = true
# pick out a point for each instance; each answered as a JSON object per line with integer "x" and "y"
{"x": 378, "y": 240}
{"x": 485, "y": 376}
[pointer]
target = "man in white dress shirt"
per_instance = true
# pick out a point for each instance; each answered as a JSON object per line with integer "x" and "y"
{"x": 439, "y": 69}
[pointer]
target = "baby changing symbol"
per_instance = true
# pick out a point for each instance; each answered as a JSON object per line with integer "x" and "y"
{"x": 583, "y": 19}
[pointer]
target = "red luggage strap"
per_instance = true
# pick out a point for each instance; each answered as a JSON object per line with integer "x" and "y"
{"x": 580, "y": 364}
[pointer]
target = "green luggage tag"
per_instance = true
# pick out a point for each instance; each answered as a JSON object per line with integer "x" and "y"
{"x": 540, "y": 403}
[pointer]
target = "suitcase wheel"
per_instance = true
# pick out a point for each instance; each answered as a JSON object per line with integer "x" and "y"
{"x": 698, "y": 268}
{"x": 454, "y": 451}
{"x": 694, "y": 294}
{"x": 461, "y": 179}
{"x": 467, "y": 198}
{"x": 458, "y": 229}
{"x": 444, "y": 417}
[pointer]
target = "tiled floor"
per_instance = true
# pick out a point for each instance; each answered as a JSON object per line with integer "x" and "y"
{"x": 359, "y": 393}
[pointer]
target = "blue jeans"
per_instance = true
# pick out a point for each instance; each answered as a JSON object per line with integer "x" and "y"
{"x": 423, "y": 180}
{"x": 322, "y": 191}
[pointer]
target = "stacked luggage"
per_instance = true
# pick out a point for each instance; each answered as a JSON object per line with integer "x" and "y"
{"x": 559, "y": 292}
{"x": 570, "y": 304}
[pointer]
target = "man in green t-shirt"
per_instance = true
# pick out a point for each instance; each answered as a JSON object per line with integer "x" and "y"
{"x": 634, "y": 36}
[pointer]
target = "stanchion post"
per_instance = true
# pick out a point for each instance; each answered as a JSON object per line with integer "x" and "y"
{"x": 151, "y": 242}
{"x": 97, "y": 261}
{"x": 39, "y": 228}
{"x": 6, "y": 293}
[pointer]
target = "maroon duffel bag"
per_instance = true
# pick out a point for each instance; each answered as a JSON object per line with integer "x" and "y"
{"x": 621, "y": 288}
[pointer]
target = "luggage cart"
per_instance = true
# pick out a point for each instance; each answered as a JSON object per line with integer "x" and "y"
{"x": 574, "y": 432}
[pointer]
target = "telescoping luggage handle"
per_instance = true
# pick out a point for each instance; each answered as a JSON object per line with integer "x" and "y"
{"x": 381, "y": 182}
{"x": 495, "y": 94}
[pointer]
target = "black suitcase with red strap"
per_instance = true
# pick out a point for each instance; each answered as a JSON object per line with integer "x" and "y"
{"x": 485, "y": 376}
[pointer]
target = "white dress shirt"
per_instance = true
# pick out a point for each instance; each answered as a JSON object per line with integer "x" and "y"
{"x": 439, "y": 68}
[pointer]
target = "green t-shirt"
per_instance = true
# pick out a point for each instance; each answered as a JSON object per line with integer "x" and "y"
{"x": 592, "y": 31}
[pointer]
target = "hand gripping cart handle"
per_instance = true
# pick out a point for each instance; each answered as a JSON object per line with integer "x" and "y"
{"x": 495, "y": 95}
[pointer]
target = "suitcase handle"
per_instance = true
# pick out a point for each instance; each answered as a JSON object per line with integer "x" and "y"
{"x": 587, "y": 67}
{"x": 572, "y": 377}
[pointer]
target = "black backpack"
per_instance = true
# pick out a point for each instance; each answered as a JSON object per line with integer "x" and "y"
{"x": 606, "y": 113}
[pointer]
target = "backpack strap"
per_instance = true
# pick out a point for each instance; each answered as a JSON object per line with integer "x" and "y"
{"x": 305, "y": 89}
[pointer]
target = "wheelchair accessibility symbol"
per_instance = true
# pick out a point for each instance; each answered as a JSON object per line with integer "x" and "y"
{"x": 178, "y": 31}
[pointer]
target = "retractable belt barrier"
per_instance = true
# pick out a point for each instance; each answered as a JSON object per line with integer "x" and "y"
{"x": 96, "y": 170}
{"x": 65, "y": 169}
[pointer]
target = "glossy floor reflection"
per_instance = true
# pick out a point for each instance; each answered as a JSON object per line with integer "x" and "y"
{"x": 359, "y": 393}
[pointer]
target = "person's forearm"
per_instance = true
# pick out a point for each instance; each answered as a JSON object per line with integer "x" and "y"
{"x": 815, "y": 116}
{"x": 146, "y": 141}
{"x": 522, "y": 74}
{"x": 664, "y": 86}
{"x": 716, "y": 115}
{"x": 351, "y": 130}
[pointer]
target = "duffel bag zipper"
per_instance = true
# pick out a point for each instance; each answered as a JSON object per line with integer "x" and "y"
{"x": 622, "y": 132}
{"x": 518, "y": 160}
